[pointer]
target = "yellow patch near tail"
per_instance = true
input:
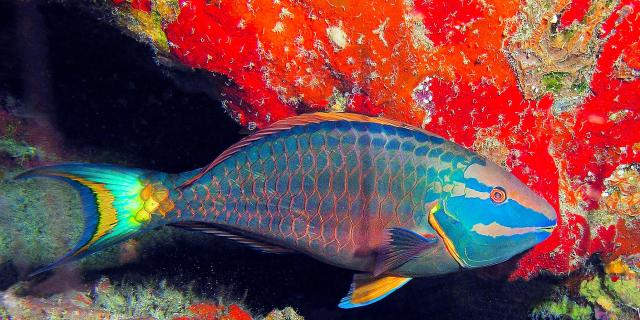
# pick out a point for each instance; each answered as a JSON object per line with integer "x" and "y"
{"x": 366, "y": 289}
{"x": 155, "y": 199}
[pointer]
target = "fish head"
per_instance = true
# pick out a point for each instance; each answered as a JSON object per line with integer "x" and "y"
{"x": 490, "y": 216}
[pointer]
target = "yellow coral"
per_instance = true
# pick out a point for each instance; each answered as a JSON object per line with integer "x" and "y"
{"x": 618, "y": 267}
{"x": 148, "y": 25}
{"x": 167, "y": 9}
{"x": 156, "y": 199}
{"x": 606, "y": 304}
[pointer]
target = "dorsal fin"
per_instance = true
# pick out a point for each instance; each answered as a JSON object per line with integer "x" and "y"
{"x": 234, "y": 235}
{"x": 295, "y": 121}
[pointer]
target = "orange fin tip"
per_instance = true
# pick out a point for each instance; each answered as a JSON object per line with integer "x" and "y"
{"x": 367, "y": 289}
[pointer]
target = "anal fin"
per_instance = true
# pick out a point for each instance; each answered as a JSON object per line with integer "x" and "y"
{"x": 235, "y": 235}
{"x": 367, "y": 289}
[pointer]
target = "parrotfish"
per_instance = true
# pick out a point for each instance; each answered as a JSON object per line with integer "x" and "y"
{"x": 387, "y": 200}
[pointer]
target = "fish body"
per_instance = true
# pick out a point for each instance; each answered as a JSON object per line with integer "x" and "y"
{"x": 367, "y": 194}
{"x": 330, "y": 190}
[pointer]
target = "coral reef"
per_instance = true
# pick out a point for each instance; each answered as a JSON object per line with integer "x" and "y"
{"x": 617, "y": 297}
{"x": 287, "y": 313}
{"x": 621, "y": 194}
{"x": 614, "y": 294}
{"x": 213, "y": 311}
{"x": 148, "y": 299}
{"x": 562, "y": 307}
{"x": 155, "y": 299}
{"x": 558, "y": 58}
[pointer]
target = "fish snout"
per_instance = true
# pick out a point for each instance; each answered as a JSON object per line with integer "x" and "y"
{"x": 544, "y": 215}
{"x": 535, "y": 212}
{"x": 545, "y": 226}
{"x": 548, "y": 229}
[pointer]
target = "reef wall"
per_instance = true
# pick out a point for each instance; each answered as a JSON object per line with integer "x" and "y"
{"x": 548, "y": 89}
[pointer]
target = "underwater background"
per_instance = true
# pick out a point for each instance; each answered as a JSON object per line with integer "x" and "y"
{"x": 75, "y": 87}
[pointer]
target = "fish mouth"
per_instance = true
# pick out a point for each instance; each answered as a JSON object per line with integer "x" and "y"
{"x": 548, "y": 229}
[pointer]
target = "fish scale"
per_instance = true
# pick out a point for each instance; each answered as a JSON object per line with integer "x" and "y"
{"x": 326, "y": 189}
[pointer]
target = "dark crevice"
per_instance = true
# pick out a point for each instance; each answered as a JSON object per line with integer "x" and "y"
{"x": 111, "y": 95}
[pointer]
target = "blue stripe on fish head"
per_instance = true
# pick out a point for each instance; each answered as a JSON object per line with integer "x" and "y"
{"x": 489, "y": 215}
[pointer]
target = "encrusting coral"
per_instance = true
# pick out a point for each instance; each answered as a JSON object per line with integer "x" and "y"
{"x": 614, "y": 294}
{"x": 562, "y": 307}
{"x": 287, "y": 313}
{"x": 148, "y": 299}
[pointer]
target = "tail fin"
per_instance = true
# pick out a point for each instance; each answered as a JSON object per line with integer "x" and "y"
{"x": 117, "y": 203}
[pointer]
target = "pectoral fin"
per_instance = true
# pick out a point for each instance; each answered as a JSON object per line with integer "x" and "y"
{"x": 367, "y": 289}
{"x": 402, "y": 245}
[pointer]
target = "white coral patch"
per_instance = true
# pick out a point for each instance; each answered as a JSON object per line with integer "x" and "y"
{"x": 338, "y": 37}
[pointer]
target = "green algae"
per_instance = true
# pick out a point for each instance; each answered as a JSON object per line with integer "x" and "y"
{"x": 620, "y": 297}
{"x": 143, "y": 298}
{"x": 149, "y": 298}
{"x": 626, "y": 290}
{"x": 554, "y": 81}
{"x": 581, "y": 88}
{"x": 13, "y": 148}
{"x": 4, "y": 314}
{"x": 5, "y": 242}
{"x": 147, "y": 27}
{"x": 17, "y": 149}
{"x": 594, "y": 292}
{"x": 565, "y": 307}
{"x": 137, "y": 297}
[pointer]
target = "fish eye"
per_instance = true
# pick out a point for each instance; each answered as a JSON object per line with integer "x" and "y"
{"x": 498, "y": 195}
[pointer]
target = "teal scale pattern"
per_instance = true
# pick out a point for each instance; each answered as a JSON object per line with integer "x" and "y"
{"x": 327, "y": 189}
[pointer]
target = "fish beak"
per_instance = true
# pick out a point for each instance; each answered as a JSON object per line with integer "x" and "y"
{"x": 548, "y": 229}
